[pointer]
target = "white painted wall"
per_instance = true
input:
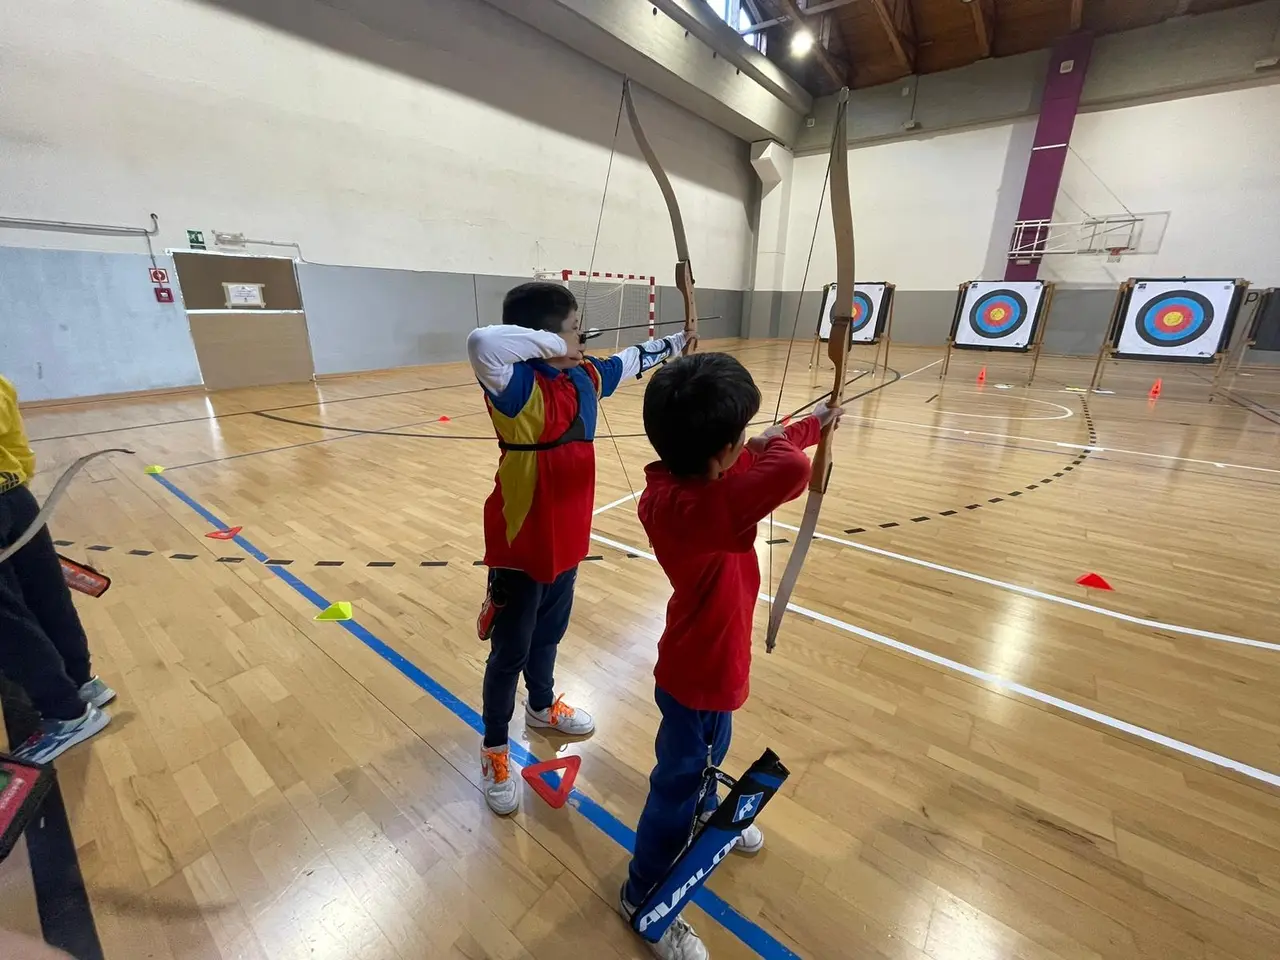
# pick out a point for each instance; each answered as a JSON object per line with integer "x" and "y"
{"x": 926, "y": 210}
{"x": 117, "y": 108}
{"x": 922, "y": 210}
{"x": 1211, "y": 161}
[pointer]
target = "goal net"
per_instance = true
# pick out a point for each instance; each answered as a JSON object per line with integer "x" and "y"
{"x": 621, "y": 306}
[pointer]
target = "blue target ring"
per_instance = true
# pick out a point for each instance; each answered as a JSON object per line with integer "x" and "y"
{"x": 997, "y": 314}
{"x": 1175, "y": 318}
{"x": 862, "y": 311}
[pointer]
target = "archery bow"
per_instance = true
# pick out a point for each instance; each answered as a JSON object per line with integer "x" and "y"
{"x": 837, "y": 350}
{"x": 51, "y": 502}
{"x": 684, "y": 269}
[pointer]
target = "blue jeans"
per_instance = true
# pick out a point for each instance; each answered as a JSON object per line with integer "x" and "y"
{"x": 531, "y": 620}
{"x": 687, "y": 742}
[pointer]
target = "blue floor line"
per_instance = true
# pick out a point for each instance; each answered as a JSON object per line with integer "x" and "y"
{"x": 752, "y": 935}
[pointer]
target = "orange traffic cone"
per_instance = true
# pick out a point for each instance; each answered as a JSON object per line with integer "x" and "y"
{"x": 1155, "y": 388}
{"x": 982, "y": 375}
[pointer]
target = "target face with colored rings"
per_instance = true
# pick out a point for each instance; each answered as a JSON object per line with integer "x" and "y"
{"x": 997, "y": 314}
{"x": 1174, "y": 318}
{"x": 862, "y": 311}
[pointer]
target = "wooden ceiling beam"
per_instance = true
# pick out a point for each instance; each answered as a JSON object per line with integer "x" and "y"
{"x": 982, "y": 25}
{"x": 829, "y": 65}
{"x": 904, "y": 49}
{"x": 1077, "y": 14}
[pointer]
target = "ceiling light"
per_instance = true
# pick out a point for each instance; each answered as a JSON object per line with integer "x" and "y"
{"x": 801, "y": 43}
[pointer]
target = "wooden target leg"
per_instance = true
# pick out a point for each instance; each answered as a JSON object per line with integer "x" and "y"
{"x": 946, "y": 360}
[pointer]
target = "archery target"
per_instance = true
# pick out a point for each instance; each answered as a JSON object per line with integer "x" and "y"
{"x": 869, "y": 311}
{"x": 1171, "y": 319}
{"x": 999, "y": 314}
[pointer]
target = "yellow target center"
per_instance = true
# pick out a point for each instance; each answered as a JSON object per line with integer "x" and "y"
{"x": 997, "y": 313}
{"x": 1173, "y": 318}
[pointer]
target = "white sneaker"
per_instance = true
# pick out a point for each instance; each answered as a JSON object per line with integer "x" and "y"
{"x": 679, "y": 942}
{"x": 750, "y": 840}
{"x": 562, "y": 718}
{"x": 97, "y": 693}
{"x": 58, "y": 736}
{"x": 501, "y": 789}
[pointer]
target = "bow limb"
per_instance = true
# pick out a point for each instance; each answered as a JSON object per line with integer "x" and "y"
{"x": 51, "y": 502}
{"x": 684, "y": 268}
{"x": 838, "y": 350}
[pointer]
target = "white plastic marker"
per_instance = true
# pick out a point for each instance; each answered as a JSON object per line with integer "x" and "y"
{"x": 1002, "y": 683}
{"x": 1041, "y": 595}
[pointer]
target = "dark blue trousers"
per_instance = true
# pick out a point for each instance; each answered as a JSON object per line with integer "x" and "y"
{"x": 43, "y": 648}
{"x": 688, "y": 742}
{"x": 531, "y": 619}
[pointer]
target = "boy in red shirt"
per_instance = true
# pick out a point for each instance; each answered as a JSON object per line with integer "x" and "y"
{"x": 700, "y": 508}
{"x": 541, "y": 393}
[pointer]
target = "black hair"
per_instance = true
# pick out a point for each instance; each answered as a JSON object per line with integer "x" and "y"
{"x": 538, "y": 305}
{"x": 696, "y": 406}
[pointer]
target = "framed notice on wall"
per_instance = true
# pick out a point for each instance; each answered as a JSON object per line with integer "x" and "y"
{"x": 244, "y": 295}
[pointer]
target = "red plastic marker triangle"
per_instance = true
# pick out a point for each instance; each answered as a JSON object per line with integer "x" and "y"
{"x": 555, "y": 796}
{"x": 229, "y": 534}
{"x": 443, "y": 419}
{"x": 1095, "y": 581}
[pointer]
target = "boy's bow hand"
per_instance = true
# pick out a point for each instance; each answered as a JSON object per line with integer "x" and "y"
{"x": 828, "y": 415}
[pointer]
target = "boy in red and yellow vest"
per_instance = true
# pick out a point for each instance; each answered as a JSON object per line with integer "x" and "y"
{"x": 542, "y": 394}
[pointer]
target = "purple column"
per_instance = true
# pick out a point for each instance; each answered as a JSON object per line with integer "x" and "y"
{"x": 1068, "y": 63}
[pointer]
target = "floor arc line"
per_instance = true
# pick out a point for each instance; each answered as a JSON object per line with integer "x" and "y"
{"x": 1012, "y": 686}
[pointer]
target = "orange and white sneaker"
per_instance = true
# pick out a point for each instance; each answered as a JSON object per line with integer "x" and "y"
{"x": 562, "y": 718}
{"x": 501, "y": 789}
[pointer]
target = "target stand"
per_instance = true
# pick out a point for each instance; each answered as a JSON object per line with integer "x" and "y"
{"x": 1172, "y": 320}
{"x": 1006, "y": 316}
{"x": 1263, "y": 334}
{"x": 872, "y": 321}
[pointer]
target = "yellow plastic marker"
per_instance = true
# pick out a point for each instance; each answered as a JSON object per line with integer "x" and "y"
{"x": 154, "y": 469}
{"x": 337, "y": 611}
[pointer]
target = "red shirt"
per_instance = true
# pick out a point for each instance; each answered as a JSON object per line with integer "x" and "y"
{"x": 703, "y": 533}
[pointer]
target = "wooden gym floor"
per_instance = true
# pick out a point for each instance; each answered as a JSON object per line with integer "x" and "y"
{"x": 988, "y": 761}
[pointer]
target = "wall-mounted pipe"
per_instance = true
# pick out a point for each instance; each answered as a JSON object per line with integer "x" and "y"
{"x": 93, "y": 229}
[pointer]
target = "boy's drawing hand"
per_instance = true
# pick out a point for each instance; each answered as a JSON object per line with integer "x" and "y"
{"x": 828, "y": 415}
{"x": 757, "y": 444}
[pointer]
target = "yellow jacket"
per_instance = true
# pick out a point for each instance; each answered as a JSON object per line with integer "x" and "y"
{"x": 17, "y": 460}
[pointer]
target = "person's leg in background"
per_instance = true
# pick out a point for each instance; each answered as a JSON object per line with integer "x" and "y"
{"x": 30, "y": 658}
{"x": 48, "y": 598}
{"x": 544, "y": 709}
{"x": 516, "y": 598}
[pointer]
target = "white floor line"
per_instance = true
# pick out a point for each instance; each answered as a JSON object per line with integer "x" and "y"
{"x": 615, "y": 503}
{"x": 1041, "y": 595}
{"x": 1011, "y": 686}
{"x": 1066, "y": 412}
{"x": 919, "y": 369}
{"x": 1058, "y": 443}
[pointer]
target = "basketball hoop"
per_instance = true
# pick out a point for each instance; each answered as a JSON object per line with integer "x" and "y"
{"x": 1113, "y": 254}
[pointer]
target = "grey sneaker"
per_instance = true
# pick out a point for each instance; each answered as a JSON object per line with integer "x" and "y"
{"x": 679, "y": 942}
{"x": 750, "y": 840}
{"x": 97, "y": 693}
{"x": 58, "y": 736}
{"x": 501, "y": 787}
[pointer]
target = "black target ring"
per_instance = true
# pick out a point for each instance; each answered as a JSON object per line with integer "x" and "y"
{"x": 1174, "y": 318}
{"x": 997, "y": 314}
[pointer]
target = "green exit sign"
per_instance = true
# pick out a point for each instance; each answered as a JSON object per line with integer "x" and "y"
{"x": 195, "y": 239}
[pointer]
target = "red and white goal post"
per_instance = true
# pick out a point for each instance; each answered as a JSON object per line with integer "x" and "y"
{"x": 611, "y": 300}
